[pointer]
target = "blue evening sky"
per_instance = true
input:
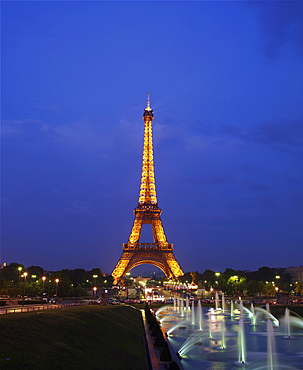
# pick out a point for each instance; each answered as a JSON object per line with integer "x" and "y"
{"x": 226, "y": 85}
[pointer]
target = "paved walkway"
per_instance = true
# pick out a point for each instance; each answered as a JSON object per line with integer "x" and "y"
{"x": 30, "y": 307}
{"x": 154, "y": 354}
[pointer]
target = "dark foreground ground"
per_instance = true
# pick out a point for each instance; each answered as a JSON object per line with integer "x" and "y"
{"x": 86, "y": 337}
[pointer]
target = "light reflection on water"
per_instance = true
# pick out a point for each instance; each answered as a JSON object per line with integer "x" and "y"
{"x": 207, "y": 353}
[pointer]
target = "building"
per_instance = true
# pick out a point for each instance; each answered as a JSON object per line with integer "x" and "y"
{"x": 296, "y": 273}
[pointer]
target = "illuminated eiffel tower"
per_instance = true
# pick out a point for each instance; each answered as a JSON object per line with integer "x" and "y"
{"x": 160, "y": 252}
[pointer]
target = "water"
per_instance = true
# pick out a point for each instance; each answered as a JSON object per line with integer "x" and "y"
{"x": 228, "y": 340}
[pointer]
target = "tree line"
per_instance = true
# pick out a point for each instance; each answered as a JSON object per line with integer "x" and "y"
{"x": 17, "y": 280}
{"x": 265, "y": 281}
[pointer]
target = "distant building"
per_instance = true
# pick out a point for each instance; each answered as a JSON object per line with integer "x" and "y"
{"x": 140, "y": 278}
{"x": 296, "y": 273}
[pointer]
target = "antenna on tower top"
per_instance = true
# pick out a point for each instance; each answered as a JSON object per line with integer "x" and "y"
{"x": 148, "y": 101}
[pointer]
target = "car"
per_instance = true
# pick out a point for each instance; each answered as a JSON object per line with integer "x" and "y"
{"x": 169, "y": 301}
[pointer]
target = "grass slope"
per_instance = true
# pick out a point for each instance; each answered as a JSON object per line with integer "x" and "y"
{"x": 89, "y": 337}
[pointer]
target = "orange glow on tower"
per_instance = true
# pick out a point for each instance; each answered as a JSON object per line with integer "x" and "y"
{"x": 159, "y": 252}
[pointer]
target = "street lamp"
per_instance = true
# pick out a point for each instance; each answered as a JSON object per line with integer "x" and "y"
{"x": 57, "y": 282}
{"x": 19, "y": 271}
{"x": 236, "y": 282}
{"x": 217, "y": 275}
{"x": 95, "y": 291}
{"x": 43, "y": 282}
{"x": 25, "y": 276}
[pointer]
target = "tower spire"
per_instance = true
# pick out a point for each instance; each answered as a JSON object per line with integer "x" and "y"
{"x": 148, "y": 102}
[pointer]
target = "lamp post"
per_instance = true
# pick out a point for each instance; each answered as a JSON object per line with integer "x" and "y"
{"x": 57, "y": 282}
{"x": 19, "y": 273}
{"x": 217, "y": 276}
{"x": 95, "y": 291}
{"x": 43, "y": 282}
{"x": 25, "y": 276}
{"x": 236, "y": 282}
{"x": 19, "y": 270}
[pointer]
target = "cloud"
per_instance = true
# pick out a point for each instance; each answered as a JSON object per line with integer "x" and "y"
{"x": 213, "y": 179}
{"x": 292, "y": 179}
{"x": 256, "y": 186}
{"x": 86, "y": 134}
{"x": 281, "y": 27}
{"x": 14, "y": 128}
{"x": 288, "y": 133}
{"x": 280, "y": 134}
{"x": 51, "y": 108}
{"x": 78, "y": 209}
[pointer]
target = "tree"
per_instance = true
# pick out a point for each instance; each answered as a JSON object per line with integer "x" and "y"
{"x": 236, "y": 285}
{"x": 11, "y": 272}
{"x": 208, "y": 277}
{"x": 35, "y": 270}
{"x": 265, "y": 274}
{"x": 96, "y": 271}
{"x": 185, "y": 278}
{"x": 77, "y": 276}
{"x": 299, "y": 288}
{"x": 254, "y": 287}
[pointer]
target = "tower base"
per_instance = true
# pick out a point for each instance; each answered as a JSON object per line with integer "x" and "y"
{"x": 164, "y": 259}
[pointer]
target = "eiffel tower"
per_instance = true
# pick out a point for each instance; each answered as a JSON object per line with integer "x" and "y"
{"x": 160, "y": 252}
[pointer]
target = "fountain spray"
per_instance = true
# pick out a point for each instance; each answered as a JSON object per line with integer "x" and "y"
{"x": 241, "y": 343}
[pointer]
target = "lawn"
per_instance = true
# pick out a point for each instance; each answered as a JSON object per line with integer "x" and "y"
{"x": 87, "y": 337}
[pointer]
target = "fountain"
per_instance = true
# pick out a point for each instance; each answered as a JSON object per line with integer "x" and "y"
{"x": 233, "y": 340}
{"x": 192, "y": 313}
{"x": 187, "y": 308}
{"x": 270, "y": 345}
{"x": 241, "y": 343}
{"x": 182, "y": 307}
{"x": 217, "y": 300}
{"x": 287, "y": 321}
{"x": 231, "y": 308}
{"x": 200, "y": 317}
{"x": 223, "y": 303}
{"x": 260, "y": 311}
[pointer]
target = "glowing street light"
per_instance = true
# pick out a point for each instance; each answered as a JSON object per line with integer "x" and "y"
{"x": 19, "y": 270}
{"x": 217, "y": 275}
{"x": 43, "y": 282}
{"x": 236, "y": 282}
{"x": 19, "y": 275}
{"x": 25, "y": 276}
{"x": 57, "y": 282}
{"x": 95, "y": 291}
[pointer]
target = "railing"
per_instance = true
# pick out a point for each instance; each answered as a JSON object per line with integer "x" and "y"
{"x": 145, "y": 246}
{"x": 7, "y": 310}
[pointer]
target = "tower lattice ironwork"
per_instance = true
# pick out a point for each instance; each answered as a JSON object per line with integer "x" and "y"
{"x": 158, "y": 253}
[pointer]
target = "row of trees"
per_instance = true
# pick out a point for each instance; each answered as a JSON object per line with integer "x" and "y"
{"x": 265, "y": 281}
{"x": 16, "y": 280}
